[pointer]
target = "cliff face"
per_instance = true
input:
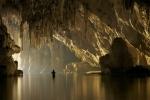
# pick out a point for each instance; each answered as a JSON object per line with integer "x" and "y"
{"x": 128, "y": 19}
{"x": 7, "y": 48}
{"x": 109, "y": 19}
{"x": 86, "y": 27}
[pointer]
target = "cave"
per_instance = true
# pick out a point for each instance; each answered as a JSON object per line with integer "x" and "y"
{"x": 75, "y": 49}
{"x": 58, "y": 34}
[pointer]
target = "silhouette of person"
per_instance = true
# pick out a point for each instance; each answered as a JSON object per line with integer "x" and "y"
{"x": 53, "y": 73}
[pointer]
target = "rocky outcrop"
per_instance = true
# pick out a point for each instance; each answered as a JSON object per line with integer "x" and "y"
{"x": 120, "y": 56}
{"x": 7, "y": 48}
{"x": 18, "y": 73}
{"x": 123, "y": 58}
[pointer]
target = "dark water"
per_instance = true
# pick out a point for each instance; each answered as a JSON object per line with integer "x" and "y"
{"x": 74, "y": 87}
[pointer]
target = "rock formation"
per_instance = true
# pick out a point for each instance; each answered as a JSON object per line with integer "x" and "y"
{"x": 7, "y": 48}
{"x": 122, "y": 57}
{"x": 90, "y": 25}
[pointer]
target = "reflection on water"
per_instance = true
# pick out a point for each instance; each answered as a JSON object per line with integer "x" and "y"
{"x": 10, "y": 88}
{"x": 74, "y": 87}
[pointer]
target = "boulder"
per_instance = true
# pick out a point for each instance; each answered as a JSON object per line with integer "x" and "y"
{"x": 10, "y": 66}
{"x": 120, "y": 55}
{"x": 123, "y": 57}
{"x": 18, "y": 73}
{"x": 105, "y": 63}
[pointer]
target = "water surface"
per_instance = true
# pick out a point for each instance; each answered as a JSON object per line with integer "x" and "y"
{"x": 74, "y": 87}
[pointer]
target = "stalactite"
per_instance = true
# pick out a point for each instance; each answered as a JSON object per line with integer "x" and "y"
{"x": 30, "y": 39}
{"x": 85, "y": 5}
{"x": 21, "y": 33}
{"x": 128, "y": 4}
{"x": 52, "y": 16}
{"x": 57, "y": 13}
{"x": 76, "y": 3}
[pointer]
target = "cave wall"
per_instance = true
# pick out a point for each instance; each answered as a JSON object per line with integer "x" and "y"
{"x": 91, "y": 24}
{"x": 7, "y": 48}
